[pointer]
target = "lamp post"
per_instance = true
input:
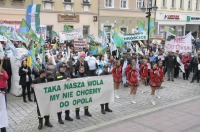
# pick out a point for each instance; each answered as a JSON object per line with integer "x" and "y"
{"x": 149, "y": 9}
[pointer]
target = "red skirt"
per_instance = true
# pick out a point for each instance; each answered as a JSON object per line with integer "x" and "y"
{"x": 117, "y": 80}
{"x": 153, "y": 84}
{"x": 133, "y": 84}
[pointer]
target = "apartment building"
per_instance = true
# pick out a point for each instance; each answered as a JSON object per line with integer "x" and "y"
{"x": 54, "y": 14}
{"x": 182, "y": 15}
{"x": 122, "y": 14}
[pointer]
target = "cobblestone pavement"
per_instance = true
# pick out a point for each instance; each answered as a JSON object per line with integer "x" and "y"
{"x": 184, "y": 117}
{"x": 23, "y": 116}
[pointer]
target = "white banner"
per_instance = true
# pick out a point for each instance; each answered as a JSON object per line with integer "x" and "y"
{"x": 80, "y": 43}
{"x": 135, "y": 36}
{"x": 42, "y": 31}
{"x": 62, "y": 95}
{"x": 75, "y": 33}
{"x": 183, "y": 44}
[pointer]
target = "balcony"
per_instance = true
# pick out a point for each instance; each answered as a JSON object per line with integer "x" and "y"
{"x": 68, "y": 2}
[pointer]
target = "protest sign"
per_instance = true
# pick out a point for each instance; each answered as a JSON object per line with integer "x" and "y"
{"x": 73, "y": 34}
{"x": 80, "y": 43}
{"x": 135, "y": 36}
{"x": 62, "y": 95}
{"x": 183, "y": 44}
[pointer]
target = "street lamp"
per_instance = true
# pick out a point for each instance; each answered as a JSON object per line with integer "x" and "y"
{"x": 149, "y": 9}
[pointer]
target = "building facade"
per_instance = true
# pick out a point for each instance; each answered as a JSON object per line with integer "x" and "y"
{"x": 54, "y": 14}
{"x": 122, "y": 14}
{"x": 181, "y": 15}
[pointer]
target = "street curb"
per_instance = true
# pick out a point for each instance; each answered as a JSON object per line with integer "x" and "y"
{"x": 136, "y": 114}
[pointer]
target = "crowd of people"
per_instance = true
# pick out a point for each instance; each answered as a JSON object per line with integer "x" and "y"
{"x": 127, "y": 69}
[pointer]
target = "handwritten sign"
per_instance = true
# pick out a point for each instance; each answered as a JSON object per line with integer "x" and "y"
{"x": 80, "y": 43}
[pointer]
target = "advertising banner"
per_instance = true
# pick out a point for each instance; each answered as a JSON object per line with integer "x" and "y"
{"x": 62, "y": 95}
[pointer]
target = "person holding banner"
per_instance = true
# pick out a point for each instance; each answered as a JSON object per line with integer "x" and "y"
{"x": 81, "y": 74}
{"x": 133, "y": 82}
{"x": 117, "y": 76}
{"x": 105, "y": 107}
{"x": 41, "y": 79}
{"x": 144, "y": 72}
{"x": 61, "y": 75}
{"x": 154, "y": 82}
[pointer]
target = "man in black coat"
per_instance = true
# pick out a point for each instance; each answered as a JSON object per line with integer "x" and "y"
{"x": 81, "y": 62}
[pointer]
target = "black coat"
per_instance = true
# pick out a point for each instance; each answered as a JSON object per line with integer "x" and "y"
{"x": 78, "y": 64}
{"x": 23, "y": 74}
{"x": 170, "y": 61}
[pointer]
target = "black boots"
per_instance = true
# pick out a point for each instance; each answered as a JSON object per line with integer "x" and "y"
{"x": 3, "y": 129}
{"x": 77, "y": 114}
{"x": 60, "y": 118}
{"x": 102, "y": 109}
{"x": 67, "y": 117}
{"x": 47, "y": 122}
{"x": 87, "y": 113}
{"x": 107, "y": 108}
{"x": 40, "y": 124}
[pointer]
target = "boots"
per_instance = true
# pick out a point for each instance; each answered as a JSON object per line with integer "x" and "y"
{"x": 77, "y": 114}
{"x": 87, "y": 113}
{"x": 67, "y": 117}
{"x": 3, "y": 129}
{"x": 157, "y": 94}
{"x": 40, "y": 123}
{"x": 152, "y": 100}
{"x": 107, "y": 108}
{"x": 102, "y": 109}
{"x": 60, "y": 118}
{"x": 116, "y": 95}
{"x": 47, "y": 122}
{"x": 24, "y": 98}
{"x": 29, "y": 98}
{"x": 133, "y": 98}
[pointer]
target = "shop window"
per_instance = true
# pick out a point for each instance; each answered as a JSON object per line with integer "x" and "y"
{"x": 197, "y": 5}
{"x": 189, "y": 4}
{"x": 85, "y": 30}
{"x": 139, "y": 4}
{"x": 124, "y": 4}
{"x": 164, "y": 3}
{"x": 181, "y": 4}
{"x": 109, "y": 3}
{"x": 173, "y": 3}
{"x": 123, "y": 29}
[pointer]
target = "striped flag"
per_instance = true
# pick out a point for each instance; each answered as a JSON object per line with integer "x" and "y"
{"x": 54, "y": 34}
{"x": 33, "y": 16}
{"x": 141, "y": 26}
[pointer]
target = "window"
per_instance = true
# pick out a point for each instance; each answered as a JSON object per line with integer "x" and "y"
{"x": 68, "y": 7}
{"x": 124, "y": 4}
{"x": 109, "y": 3}
{"x": 123, "y": 29}
{"x": 69, "y": 1}
{"x": 164, "y": 4}
{"x": 197, "y": 5}
{"x": 86, "y": 1}
{"x": 48, "y": 6}
{"x": 189, "y": 4}
{"x": 181, "y": 4}
{"x": 139, "y": 4}
{"x": 86, "y": 8}
{"x": 173, "y": 3}
{"x": 86, "y": 30}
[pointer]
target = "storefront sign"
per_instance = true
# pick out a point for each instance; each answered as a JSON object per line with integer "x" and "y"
{"x": 183, "y": 44}
{"x": 189, "y": 18}
{"x": 80, "y": 43}
{"x": 135, "y": 36}
{"x": 76, "y": 33}
{"x": 172, "y": 17}
{"x": 10, "y": 22}
{"x": 53, "y": 97}
{"x": 68, "y": 18}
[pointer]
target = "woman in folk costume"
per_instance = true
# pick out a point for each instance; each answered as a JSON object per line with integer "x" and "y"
{"x": 128, "y": 68}
{"x": 117, "y": 77}
{"x": 144, "y": 72}
{"x": 161, "y": 77}
{"x": 133, "y": 82}
{"x": 154, "y": 82}
{"x": 186, "y": 60}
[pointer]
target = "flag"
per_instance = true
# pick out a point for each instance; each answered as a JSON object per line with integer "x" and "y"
{"x": 171, "y": 30}
{"x": 90, "y": 38}
{"x": 41, "y": 41}
{"x": 24, "y": 27}
{"x": 151, "y": 27}
{"x": 3, "y": 29}
{"x": 141, "y": 26}
{"x": 98, "y": 50}
{"x": 54, "y": 34}
{"x": 100, "y": 33}
{"x": 138, "y": 50}
{"x": 33, "y": 16}
{"x": 67, "y": 28}
{"x": 118, "y": 41}
{"x": 33, "y": 36}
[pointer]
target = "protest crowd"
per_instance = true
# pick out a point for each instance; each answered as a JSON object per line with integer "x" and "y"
{"x": 131, "y": 65}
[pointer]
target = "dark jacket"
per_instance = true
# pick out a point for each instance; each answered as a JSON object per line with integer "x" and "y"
{"x": 40, "y": 80}
{"x": 104, "y": 73}
{"x": 61, "y": 76}
{"x": 78, "y": 64}
{"x": 80, "y": 75}
{"x": 22, "y": 74}
{"x": 195, "y": 63}
{"x": 170, "y": 61}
